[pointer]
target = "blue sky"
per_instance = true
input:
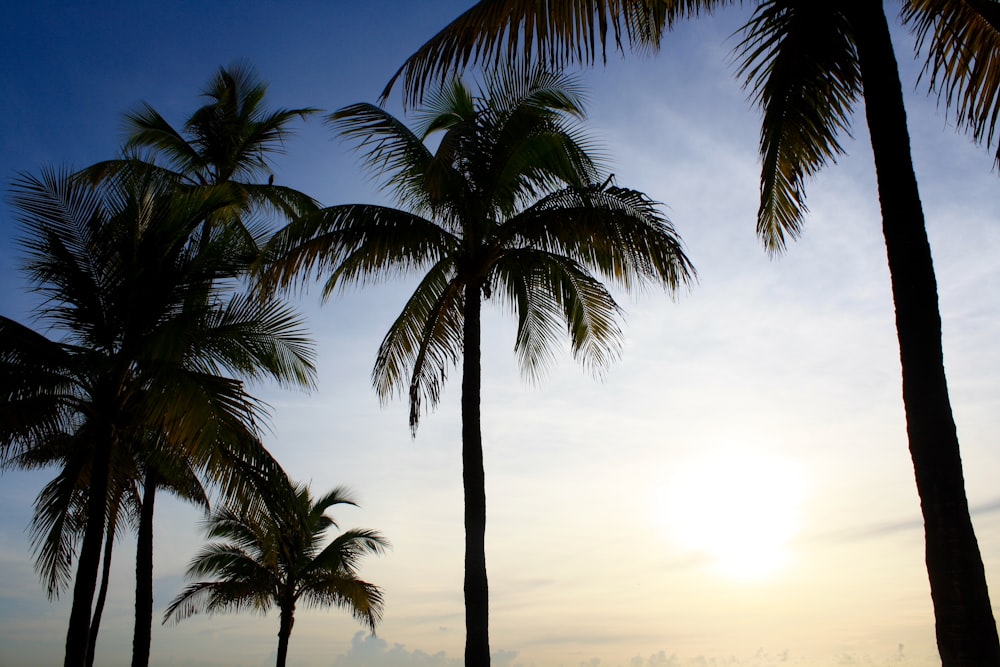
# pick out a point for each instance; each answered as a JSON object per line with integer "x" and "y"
{"x": 625, "y": 514}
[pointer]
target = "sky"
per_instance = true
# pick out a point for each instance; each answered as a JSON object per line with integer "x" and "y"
{"x": 736, "y": 490}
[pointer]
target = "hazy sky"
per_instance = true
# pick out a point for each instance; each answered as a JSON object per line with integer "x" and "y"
{"x": 737, "y": 489}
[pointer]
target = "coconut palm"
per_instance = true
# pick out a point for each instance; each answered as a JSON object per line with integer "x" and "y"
{"x": 230, "y": 141}
{"x": 151, "y": 338}
{"x": 808, "y": 64}
{"x": 273, "y": 556}
{"x": 510, "y": 204}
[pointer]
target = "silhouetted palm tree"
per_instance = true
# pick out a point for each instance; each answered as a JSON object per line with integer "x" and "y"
{"x": 151, "y": 338}
{"x": 273, "y": 556}
{"x": 510, "y": 205}
{"x": 808, "y": 64}
{"x": 228, "y": 142}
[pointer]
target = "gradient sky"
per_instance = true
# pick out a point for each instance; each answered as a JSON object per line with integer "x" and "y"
{"x": 735, "y": 491}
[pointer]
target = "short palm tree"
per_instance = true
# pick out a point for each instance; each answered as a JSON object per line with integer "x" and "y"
{"x": 808, "y": 64}
{"x": 509, "y": 205}
{"x": 150, "y": 340}
{"x": 272, "y": 555}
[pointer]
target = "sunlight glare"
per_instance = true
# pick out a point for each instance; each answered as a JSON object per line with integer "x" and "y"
{"x": 738, "y": 507}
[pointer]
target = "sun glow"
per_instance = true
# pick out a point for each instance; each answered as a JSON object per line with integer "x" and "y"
{"x": 736, "y": 507}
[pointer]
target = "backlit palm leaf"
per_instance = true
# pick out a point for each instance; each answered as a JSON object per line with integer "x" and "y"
{"x": 799, "y": 63}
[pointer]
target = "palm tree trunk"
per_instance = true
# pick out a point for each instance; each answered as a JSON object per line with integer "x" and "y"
{"x": 102, "y": 594}
{"x": 477, "y": 609}
{"x": 285, "y": 631}
{"x": 143, "y": 632}
{"x": 78, "y": 633}
{"x": 966, "y": 629}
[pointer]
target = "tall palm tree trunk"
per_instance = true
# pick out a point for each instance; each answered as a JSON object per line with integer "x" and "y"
{"x": 285, "y": 631}
{"x": 966, "y": 629}
{"x": 102, "y": 593}
{"x": 143, "y": 632}
{"x": 477, "y": 610}
{"x": 78, "y": 634}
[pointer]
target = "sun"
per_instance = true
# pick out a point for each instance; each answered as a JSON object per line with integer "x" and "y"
{"x": 737, "y": 507}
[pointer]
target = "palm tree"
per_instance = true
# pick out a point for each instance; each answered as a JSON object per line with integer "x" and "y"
{"x": 509, "y": 204}
{"x": 229, "y": 141}
{"x": 808, "y": 64}
{"x": 273, "y": 555}
{"x": 151, "y": 338}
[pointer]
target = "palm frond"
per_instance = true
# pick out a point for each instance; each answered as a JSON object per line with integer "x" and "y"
{"x": 616, "y": 232}
{"x": 254, "y": 338}
{"x": 493, "y": 32}
{"x": 556, "y": 297}
{"x": 962, "y": 43}
{"x": 148, "y": 129}
{"x": 802, "y": 69}
{"x": 211, "y": 597}
{"x": 424, "y": 341}
{"x": 390, "y": 151}
{"x": 57, "y": 527}
{"x": 353, "y": 244}
{"x": 365, "y": 601}
{"x": 344, "y": 553}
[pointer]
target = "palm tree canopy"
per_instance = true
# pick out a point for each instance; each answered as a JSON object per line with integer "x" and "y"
{"x": 274, "y": 555}
{"x": 511, "y": 202}
{"x": 149, "y": 337}
{"x": 231, "y": 138}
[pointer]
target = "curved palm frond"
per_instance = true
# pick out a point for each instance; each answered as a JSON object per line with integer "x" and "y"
{"x": 799, "y": 61}
{"x": 355, "y": 243}
{"x": 528, "y": 140}
{"x": 148, "y": 129}
{"x": 38, "y": 392}
{"x": 211, "y": 597}
{"x": 423, "y": 342}
{"x": 394, "y": 154}
{"x": 365, "y": 601}
{"x": 553, "y": 296}
{"x": 617, "y": 232}
{"x": 493, "y": 32}
{"x": 962, "y": 41}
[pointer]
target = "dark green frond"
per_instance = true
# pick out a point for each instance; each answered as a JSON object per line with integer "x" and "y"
{"x": 38, "y": 392}
{"x": 344, "y": 553}
{"x": 800, "y": 64}
{"x": 528, "y": 140}
{"x": 254, "y": 339}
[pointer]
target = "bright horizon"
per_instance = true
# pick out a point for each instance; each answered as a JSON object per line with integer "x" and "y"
{"x": 736, "y": 490}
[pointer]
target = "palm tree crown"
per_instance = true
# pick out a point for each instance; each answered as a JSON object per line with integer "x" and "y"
{"x": 272, "y": 554}
{"x": 510, "y": 204}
